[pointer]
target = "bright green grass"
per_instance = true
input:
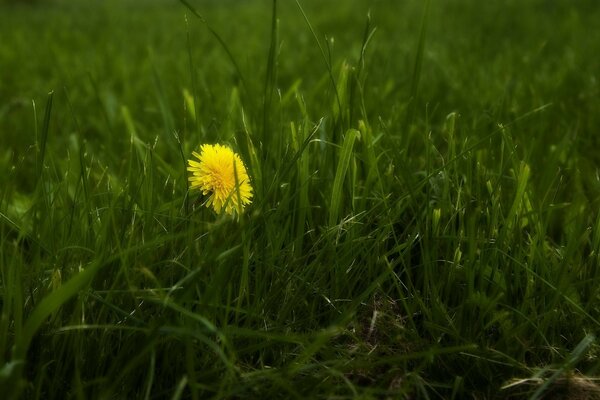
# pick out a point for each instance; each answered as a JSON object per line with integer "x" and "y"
{"x": 425, "y": 221}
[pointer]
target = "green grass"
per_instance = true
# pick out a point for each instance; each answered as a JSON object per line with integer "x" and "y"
{"x": 425, "y": 221}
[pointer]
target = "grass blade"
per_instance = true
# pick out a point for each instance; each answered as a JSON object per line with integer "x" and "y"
{"x": 416, "y": 75}
{"x": 340, "y": 175}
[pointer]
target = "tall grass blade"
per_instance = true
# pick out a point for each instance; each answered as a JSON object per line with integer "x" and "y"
{"x": 326, "y": 59}
{"x": 219, "y": 39}
{"x": 271, "y": 74}
{"x": 44, "y": 135}
{"x": 50, "y": 304}
{"x": 520, "y": 195}
{"x": 416, "y": 75}
{"x": 340, "y": 175}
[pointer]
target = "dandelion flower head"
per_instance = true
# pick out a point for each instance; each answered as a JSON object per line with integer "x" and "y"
{"x": 221, "y": 174}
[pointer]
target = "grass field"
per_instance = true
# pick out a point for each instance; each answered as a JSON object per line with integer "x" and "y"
{"x": 425, "y": 221}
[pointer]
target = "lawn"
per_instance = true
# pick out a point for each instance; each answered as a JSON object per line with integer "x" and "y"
{"x": 424, "y": 220}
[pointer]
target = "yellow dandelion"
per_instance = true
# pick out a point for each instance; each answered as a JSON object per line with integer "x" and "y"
{"x": 216, "y": 173}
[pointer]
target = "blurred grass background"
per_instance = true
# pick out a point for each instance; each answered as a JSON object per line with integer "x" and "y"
{"x": 425, "y": 223}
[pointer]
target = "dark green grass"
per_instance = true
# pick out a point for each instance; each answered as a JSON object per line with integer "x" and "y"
{"x": 425, "y": 221}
